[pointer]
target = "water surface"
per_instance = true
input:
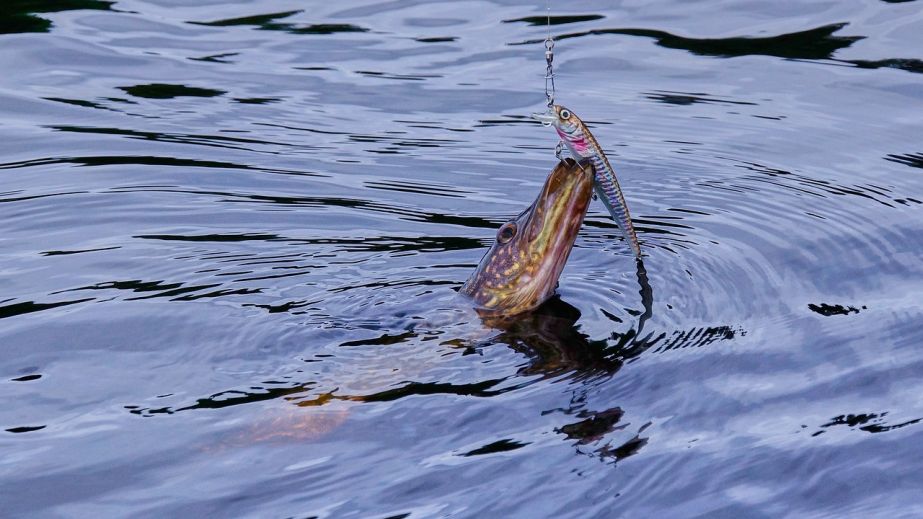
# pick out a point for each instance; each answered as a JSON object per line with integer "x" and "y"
{"x": 232, "y": 234}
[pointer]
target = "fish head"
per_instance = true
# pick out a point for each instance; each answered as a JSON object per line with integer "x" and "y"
{"x": 521, "y": 269}
{"x": 569, "y": 127}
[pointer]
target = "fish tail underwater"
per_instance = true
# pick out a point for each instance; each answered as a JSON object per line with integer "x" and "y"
{"x": 268, "y": 259}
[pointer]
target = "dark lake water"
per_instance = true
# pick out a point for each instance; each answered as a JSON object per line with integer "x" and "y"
{"x": 231, "y": 233}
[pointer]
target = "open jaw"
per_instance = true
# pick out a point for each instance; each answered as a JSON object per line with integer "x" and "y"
{"x": 521, "y": 272}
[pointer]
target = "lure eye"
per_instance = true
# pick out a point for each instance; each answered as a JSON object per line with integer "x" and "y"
{"x": 506, "y": 233}
{"x": 565, "y": 114}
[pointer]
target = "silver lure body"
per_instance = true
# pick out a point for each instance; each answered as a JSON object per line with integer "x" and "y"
{"x": 583, "y": 146}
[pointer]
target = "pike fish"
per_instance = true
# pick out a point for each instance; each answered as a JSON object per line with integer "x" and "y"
{"x": 509, "y": 290}
{"x": 520, "y": 270}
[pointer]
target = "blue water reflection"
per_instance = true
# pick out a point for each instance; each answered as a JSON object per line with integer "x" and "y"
{"x": 232, "y": 233}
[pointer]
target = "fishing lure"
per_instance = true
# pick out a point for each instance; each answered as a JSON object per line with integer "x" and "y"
{"x": 584, "y": 147}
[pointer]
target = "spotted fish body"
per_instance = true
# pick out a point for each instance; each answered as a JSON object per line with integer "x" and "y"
{"x": 584, "y": 147}
{"x": 521, "y": 269}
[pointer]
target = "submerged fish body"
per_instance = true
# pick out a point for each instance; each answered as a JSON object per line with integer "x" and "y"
{"x": 584, "y": 147}
{"x": 512, "y": 292}
{"x": 518, "y": 274}
{"x": 520, "y": 271}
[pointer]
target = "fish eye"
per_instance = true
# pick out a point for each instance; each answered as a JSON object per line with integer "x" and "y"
{"x": 565, "y": 114}
{"x": 506, "y": 233}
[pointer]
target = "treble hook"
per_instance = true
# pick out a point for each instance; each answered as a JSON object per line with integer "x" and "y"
{"x": 559, "y": 150}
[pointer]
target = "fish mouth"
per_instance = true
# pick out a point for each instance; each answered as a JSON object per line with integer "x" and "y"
{"x": 557, "y": 214}
{"x": 550, "y": 229}
{"x": 546, "y": 118}
{"x": 519, "y": 275}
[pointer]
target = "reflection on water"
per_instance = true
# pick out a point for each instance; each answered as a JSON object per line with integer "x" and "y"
{"x": 24, "y": 15}
{"x": 268, "y": 22}
{"x": 164, "y": 91}
{"x": 232, "y": 240}
{"x": 816, "y": 43}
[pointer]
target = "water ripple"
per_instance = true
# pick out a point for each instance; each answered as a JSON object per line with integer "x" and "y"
{"x": 267, "y": 22}
{"x": 817, "y": 43}
{"x": 235, "y": 234}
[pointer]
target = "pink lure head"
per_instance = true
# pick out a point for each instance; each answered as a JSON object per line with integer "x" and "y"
{"x": 569, "y": 128}
{"x": 575, "y": 143}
